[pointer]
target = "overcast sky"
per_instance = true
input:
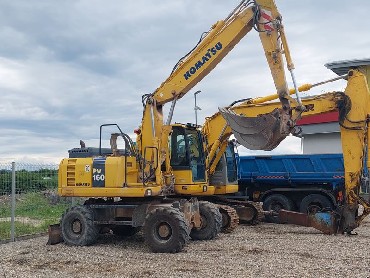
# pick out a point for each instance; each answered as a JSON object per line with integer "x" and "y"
{"x": 66, "y": 67}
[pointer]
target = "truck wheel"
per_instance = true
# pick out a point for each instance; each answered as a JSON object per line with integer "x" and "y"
{"x": 78, "y": 227}
{"x": 314, "y": 203}
{"x": 230, "y": 219}
{"x": 211, "y": 222}
{"x": 124, "y": 231}
{"x": 276, "y": 202}
{"x": 165, "y": 230}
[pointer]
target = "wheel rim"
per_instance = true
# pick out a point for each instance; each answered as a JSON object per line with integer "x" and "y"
{"x": 76, "y": 226}
{"x": 276, "y": 206}
{"x": 164, "y": 231}
{"x": 314, "y": 208}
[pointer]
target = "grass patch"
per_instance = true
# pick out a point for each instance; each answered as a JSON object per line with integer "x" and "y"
{"x": 31, "y": 206}
{"x": 21, "y": 229}
{"x": 34, "y": 205}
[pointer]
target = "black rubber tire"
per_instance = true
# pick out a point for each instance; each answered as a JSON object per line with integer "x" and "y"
{"x": 276, "y": 202}
{"x": 78, "y": 227}
{"x": 211, "y": 219}
{"x": 315, "y": 202}
{"x": 173, "y": 222}
{"x": 124, "y": 231}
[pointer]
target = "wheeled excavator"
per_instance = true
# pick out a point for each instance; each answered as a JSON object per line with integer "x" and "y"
{"x": 353, "y": 106}
{"x": 168, "y": 183}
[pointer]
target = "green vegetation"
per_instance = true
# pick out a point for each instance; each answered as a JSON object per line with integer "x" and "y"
{"x": 21, "y": 228}
{"x": 27, "y": 181}
{"x": 34, "y": 214}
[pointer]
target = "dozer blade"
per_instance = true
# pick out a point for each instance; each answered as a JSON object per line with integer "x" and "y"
{"x": 55, "y": 234}
{"x": 264, "y": 132}
{"x": 325, "y": 222}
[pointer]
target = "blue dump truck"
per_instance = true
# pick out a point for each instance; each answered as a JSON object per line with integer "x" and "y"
{"x": 304, "y": 183}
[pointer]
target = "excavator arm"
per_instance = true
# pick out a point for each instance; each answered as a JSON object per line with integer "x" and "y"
{"x": 214, "y": 45}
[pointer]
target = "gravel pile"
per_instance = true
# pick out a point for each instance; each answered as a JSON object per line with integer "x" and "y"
{"x": 265, "y": 250}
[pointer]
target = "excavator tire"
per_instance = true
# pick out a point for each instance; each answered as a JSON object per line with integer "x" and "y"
{"x": 165, "y": 230}
{"x": 78, "y": 227}
{"x": 230, "y": 218}
{"x": 211, "y": 220}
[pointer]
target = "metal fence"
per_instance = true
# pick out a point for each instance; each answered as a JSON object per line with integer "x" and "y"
{"x": 28, "y": 199}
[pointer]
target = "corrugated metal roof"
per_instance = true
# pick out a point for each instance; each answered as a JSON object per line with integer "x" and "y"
{"x": 342, "y": 67}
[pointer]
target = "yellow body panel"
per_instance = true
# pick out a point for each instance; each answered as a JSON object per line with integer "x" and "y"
{"x": 226, "y": 189}
{"x": 184, "y": 184}
{"x": 194, "y": 189}
{"x": 107, "y": 192}
{"x": 79, "y": 177}
{"x": 115, "y": 171}
{"x": 183, "y": 177}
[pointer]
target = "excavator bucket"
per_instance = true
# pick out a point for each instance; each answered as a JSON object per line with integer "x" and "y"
{"x": 264, "y": 132}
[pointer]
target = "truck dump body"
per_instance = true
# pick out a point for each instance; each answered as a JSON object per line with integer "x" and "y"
{"x": 292, "y": 170}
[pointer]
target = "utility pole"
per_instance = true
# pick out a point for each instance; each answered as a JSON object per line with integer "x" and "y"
{"x": 196, "y": 108}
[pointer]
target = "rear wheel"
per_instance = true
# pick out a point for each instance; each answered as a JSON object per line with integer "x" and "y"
{"x": 165, "y": 230}
{"x": 314, "y": 203}
{"x": 211, "y": 222}
{"x": 277, "y": 202}
{"x": 78, "y": 227}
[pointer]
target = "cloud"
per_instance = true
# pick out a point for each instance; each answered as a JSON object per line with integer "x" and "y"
{"x": 68, "y": 67}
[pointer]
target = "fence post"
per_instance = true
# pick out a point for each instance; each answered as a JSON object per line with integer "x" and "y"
{"x": 12, "y": 232}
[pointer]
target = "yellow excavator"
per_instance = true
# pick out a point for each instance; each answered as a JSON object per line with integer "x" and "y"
{"x": 353, "y": 106}
{"x": 169, "y": 182}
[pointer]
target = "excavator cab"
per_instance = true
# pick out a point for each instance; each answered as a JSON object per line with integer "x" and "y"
{"x": 187, "y": 153}
{"x": 188, "y": 162}
{"x": 225, "y": 173}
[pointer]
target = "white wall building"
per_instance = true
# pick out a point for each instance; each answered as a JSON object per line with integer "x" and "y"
{"x": 321, "y": 134}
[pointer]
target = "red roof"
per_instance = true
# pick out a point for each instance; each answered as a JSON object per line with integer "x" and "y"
{"x": 319, "y": 119}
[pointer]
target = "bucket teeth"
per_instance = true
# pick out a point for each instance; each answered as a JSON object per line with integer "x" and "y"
{"x": 264, "y": 132}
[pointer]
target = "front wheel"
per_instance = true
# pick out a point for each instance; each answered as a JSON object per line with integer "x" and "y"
{"x": 211, "y": 222}
{"x": 78, "y": 227}
{"x": 165, "y": 230}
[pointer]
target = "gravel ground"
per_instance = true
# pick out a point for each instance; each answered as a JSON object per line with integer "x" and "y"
{"x": 265, "y": 250}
